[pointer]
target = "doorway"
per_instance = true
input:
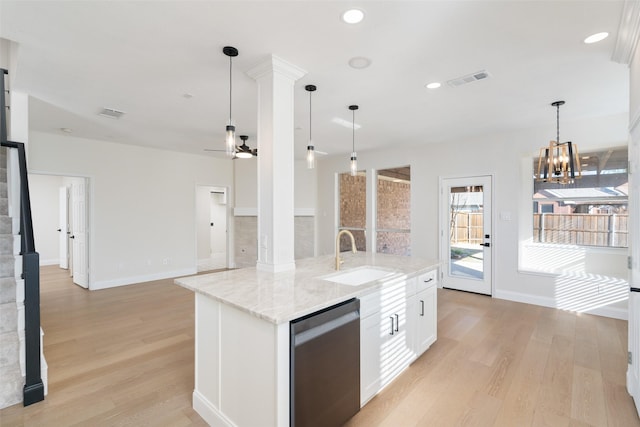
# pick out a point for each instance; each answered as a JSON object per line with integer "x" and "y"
{"x": 465, "y": 230}
{"x": 61, "y": 223}
{"x": 212, "y": 227}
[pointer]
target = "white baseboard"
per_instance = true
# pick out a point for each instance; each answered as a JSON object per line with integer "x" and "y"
{"x": 123, "y": 281}
{"x": 208, "y": 411}
{"x": 54, "y": 261}
{"x": 614, "y": 312}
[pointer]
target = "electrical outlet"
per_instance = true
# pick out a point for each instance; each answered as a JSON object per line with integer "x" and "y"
{"x": 165, "y": 261}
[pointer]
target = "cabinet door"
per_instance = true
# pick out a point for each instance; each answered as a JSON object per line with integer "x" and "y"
{"x": 387, "y": 337}
{"x": 373, "y": 334}
{"x": 425, "y": 311}
{"x": 397, "y": 351}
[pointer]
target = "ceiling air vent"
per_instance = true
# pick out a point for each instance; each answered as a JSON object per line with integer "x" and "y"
{"x": 111, "y": 113}
{"x": 469, "y": 78}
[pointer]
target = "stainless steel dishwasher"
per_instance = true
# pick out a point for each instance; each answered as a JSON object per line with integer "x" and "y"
{"x": 325, "y": 366}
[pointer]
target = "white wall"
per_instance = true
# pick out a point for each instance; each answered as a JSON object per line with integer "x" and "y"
{"x": 142, "y": 204}
{"x": 501, "y": 155}
{"x": 634, "y": 88}
{"x": 44, "y": 192}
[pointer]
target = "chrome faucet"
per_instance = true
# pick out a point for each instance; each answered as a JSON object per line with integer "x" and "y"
{"x": 353, "y": 246}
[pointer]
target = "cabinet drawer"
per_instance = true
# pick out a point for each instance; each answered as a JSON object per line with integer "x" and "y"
{"x": 426, "y": 280}
{"x": 385, "y": 299}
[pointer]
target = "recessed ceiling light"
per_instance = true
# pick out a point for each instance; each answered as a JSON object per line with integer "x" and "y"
{"x": 434, "y": 85}
{"x": 359, "y": 62}
{"x": 66, "y": 130}
{"x": 187, "y": 95}
{"x": 594, "y": 38}
{"x": 353, "y": 16}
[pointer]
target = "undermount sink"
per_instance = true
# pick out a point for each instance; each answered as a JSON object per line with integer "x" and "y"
{"x": 359, "y": 276}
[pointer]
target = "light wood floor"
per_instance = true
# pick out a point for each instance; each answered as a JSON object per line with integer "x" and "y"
{"x": 124, "y": 357}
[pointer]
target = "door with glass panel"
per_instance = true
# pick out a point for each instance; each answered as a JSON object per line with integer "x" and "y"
{"x": 465, "y": 234}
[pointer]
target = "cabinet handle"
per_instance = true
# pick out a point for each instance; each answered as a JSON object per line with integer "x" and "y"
{"x": 428, "y": 280}
{"x": 422, "y": 307}
{"x": 391, "y": 317}
{"x": 397, "y": 322}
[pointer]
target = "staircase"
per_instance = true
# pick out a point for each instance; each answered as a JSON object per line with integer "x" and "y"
{"x": 12, "y": 382}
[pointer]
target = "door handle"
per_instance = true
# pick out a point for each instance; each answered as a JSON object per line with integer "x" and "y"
{"x": 59, "y": 229}
{"x": 72, "y": 237}
{"x": 391, "y": 317}
{"x": 485, "y": 244}
{"x": 428, "y": 280}
{"x": 397, "y": 322}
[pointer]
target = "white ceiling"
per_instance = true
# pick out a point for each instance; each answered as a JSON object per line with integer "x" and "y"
{"x": 76, "y": 57}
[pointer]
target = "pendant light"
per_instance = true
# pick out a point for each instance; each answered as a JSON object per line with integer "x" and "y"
{"x": 354, "y": 159}
{"x": 559, "y": 162}
{"x": 311, "y": 155}
{"x": 230, "y": 140}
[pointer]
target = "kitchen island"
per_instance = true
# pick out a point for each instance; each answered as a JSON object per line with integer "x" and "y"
{"x": 242, "y": 329}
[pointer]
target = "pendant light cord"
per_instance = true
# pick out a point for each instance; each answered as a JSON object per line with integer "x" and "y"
{"x": 230, "y": 86}
{"x": 558, "y": 124}
{"x": 353, "y": 127}
{"x": 310, "y": 116}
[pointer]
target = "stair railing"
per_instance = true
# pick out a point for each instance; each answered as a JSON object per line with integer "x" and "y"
{"x": 34, "y": 388}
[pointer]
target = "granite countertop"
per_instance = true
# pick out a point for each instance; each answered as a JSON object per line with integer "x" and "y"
{"x": 285, "y": 296}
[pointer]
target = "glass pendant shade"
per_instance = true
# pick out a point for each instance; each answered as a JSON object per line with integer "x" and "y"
{"x": 311, "y": 156}
{"x": 230, "y": 140}
{"x": 354, "y": 164}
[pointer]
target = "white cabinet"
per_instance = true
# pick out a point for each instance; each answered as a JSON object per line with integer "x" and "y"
{"x": 426, "y": 318}
{"x": 425, "y": 311}
{"x": 397, "y": 324}
{"x": 386, "y": 336}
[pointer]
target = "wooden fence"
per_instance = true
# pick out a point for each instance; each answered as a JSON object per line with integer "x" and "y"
{"x": 582, "y": 229}
{"x": 467, "y": 227}
{"x": 609, "y": 230}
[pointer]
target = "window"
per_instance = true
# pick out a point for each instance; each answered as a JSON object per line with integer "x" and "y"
{"x": 593, "y": 211}
{"x": 353, "y": 209}
{"x": 393, "y": 210}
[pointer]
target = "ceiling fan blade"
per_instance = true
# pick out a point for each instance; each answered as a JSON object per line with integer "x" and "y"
{"x": 210, "y": 149}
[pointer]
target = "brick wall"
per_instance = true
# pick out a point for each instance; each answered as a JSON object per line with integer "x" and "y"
{"x": 353, "y": 209}
{"x": 394, "y": 212}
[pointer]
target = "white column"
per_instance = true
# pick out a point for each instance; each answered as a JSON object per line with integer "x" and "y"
{"x": 275, "y": 78}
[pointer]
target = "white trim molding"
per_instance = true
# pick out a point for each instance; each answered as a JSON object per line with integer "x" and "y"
{"x": 614, "y": 312}
{"x": 628, "y": 33}
{"x": 123, "y": 281}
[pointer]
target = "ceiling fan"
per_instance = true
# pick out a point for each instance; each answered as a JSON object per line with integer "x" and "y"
{"x": 243, "y": 151}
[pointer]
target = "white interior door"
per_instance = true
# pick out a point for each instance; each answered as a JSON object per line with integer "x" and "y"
{"x": 465, "y": 233}
{"x": 218, "y": 228}
{"x": 79, "y": 232}
{"x": 633, "y": 369}
{"x": 63, "y": 227}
